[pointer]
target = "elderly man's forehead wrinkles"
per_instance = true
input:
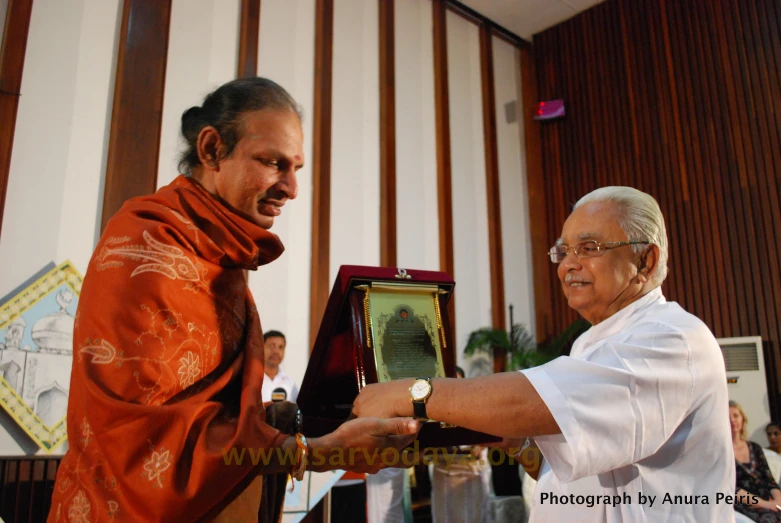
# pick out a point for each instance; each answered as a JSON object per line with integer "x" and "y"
{"x": 581, "y": 237}
{"x": 588, "y": 236}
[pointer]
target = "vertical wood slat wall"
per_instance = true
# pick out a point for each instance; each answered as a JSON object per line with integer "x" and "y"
{"x": 442, "y": 130}
{"x": 321, "y": 165}
{"x": 26, "y": 488}
{"x": 537, "y": 205}
{"x": 681, "y": 100}
{"x": 387, "y": 69}
{"x": 249, "y": 35}
{"x": 496, "y": 263}
{"x": 442, "y": 114}
{"x": 134, "y": 140}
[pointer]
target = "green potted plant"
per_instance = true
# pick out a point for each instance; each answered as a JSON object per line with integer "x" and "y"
{"x": 517, "y": 346}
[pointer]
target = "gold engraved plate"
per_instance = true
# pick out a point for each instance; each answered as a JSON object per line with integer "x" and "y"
{"x": 406, "y": 330}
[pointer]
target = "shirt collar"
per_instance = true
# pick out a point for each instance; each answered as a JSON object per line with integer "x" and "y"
{"x": 621, "y": 319}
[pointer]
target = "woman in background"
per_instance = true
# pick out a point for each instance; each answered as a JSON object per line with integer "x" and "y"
{"x": 753, "y": 478}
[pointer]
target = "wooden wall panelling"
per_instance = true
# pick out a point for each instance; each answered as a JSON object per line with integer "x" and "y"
{"x": 664, "y": 83}
{"x": 682, "y": 69}
{"x": 321, "y": 164}
{"x": 26, "y": 487}
{"x": 492, "y": 178}
{"x": 387, "y": 134}
{"x": 733, "y": 165}
{"x": 693, "y": 115}
{"x": 707, "y": 159}
{"x": 541, "y": 266}
{"x": 760, "y": 199}
{"x": 496, "y": 262}
{"x": 724, "y": 163}
{"x": 444, "y": 173}
{"x": 249, "y": 33}
{"x": 442, "y": 108}
{"x": 134, "y": 141}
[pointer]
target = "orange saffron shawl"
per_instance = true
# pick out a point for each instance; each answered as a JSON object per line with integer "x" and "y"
{"x": 167, "y": 364}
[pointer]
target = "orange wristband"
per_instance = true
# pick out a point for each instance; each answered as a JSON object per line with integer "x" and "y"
{"x": 302, "y": 453}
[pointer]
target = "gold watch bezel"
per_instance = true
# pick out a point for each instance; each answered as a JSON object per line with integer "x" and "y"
{"x": 425, "y": 398}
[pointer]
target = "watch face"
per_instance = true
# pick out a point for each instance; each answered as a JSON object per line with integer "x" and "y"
{"x": 420, "y": 389}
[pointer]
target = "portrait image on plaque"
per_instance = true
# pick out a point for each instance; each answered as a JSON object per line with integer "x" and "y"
{"x": 406, "y": 331}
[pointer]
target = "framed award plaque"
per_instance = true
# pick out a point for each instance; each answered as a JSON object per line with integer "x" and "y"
{"x": 381, "y": 324}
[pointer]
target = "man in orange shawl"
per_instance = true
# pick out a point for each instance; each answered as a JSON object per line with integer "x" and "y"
{"x": 168, "y": 347}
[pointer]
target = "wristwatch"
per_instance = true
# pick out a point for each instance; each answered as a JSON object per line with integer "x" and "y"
{"x": 420, "y": 392}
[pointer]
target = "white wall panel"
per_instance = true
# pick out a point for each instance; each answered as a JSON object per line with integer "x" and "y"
{"x": 55, "y": 186}
{"x": 202, "y": 55}
{"x": 85, "y": 168}
{"x": 57, "y": 163}
{"x": 281, "y": 289}
{"x": 513, "y": 193}
{"x": 355, "y": 136}
{"x": 470, "y": 215}
{"x": 417, "y": 206}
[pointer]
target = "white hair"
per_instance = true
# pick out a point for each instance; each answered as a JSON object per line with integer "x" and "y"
{"x": 639, "y": 217}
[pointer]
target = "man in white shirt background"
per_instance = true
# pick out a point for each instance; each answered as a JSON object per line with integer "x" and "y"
{"x": 277, "y": 385}
{"x": 633, "y": 425}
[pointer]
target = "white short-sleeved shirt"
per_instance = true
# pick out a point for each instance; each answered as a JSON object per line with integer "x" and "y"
{"x": 642, "y": 404}
{"x": 281, "y": 380}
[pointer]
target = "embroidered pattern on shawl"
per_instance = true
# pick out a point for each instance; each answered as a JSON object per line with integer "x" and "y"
{"x": 168, "y": 363}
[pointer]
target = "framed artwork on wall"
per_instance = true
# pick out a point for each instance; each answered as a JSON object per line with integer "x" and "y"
{"x": 36, "y": 351}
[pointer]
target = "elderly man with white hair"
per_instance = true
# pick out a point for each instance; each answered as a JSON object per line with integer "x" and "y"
{"x": 632, "y": 426}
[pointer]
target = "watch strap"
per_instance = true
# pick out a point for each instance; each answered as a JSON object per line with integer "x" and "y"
{"x": 419, "y": 408}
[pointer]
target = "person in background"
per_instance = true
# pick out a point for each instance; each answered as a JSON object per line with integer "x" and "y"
{"x": 773, "y": 433}
{"x": 277, "y": 384}
{"x": 756, "y": 489}
{"x": 385, "y": 496}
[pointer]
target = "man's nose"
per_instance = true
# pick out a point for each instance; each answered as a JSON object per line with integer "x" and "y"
{"x": 569, "y": 263}
{"x": 288, "y": 184}
{"x": 571, "y": 260}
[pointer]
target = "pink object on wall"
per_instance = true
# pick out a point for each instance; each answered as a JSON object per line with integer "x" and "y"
{"x": 549, "y": 110}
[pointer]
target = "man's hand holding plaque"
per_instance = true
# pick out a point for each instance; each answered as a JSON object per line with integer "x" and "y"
{"x": 373, "y": 400}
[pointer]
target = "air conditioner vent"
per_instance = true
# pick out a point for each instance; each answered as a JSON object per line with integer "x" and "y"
{"x": 740, "y": 357}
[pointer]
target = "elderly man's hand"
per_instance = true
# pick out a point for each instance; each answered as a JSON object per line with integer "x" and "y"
{"x": 361, "y": 445}
{"x": 384, "y": 400}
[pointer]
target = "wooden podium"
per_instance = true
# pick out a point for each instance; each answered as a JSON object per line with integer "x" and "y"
{"x": 381, "y": 324}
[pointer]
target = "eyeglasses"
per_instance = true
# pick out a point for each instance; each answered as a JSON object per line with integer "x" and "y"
{"x": 589, "y": 249}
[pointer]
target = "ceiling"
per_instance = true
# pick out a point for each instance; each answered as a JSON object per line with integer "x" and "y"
{"x": 529, "y": 17}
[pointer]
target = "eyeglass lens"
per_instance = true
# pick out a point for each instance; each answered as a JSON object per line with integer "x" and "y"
{"x": 583, "y": 250}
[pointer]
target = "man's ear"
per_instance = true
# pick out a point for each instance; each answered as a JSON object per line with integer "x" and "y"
{"x": 647, "y": 264}
{"x": 210, "y": 147}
